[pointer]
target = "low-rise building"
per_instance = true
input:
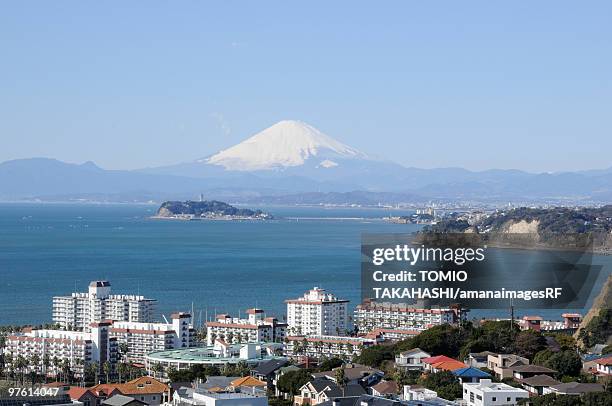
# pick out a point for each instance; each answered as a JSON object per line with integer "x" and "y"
{"x": 604, "y": 366}
{"x": 411, "y": 359}
{"x": 441, "y": 363}
{"x": 488, "y": 393}
{"x": 354, "y": 374}
{"x": 254, "y": 329}
{"x": 502, "y": 364}
{"x": 327, "y": 346}
{"x": 574, "y": 388}
{"x": 537, "y": 384}
{"x": 371, "y": 315}
{"x": 470, "y": 374}
{"x": 478, "y": 359}
{"x": 145, "y": 389}
{"x": 322, "y": 390}
{"x": 521, "y": 372}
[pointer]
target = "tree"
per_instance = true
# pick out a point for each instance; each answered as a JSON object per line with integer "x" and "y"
{"x": 157, "y": 369}
{"x": 330, "y": 363}
{"x": 566, "y": 363}
{"x": 552, "y": 400}
{"x": 375, "y": 355}
{"x": 445, "y": 383}
{"x": 528, "y": 343}
{"x": 598, "y": 330}
{"x": 122, "y": 370}
{"x": 291, "y": 382}
{"x": 340, "y": 378}
{"x": 35, "y": 362}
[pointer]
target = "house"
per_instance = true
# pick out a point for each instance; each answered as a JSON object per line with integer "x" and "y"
{"x": 266, "y": 370}
{"x": 122, "y": 400}
{"x": 247, "y": 383}
{"x": 411, "y": 359}
{"x": 216, "y": 383}
{"x": 574, "y": 388}
{"x": 83, "y": 395}
{"x": 418, "y": 392}
{"x": 145, "y": 389}
{"x": 487, "y": 392}
{"x": 370, "y": 400}
{"x": 527, "y": 371}
{"x": 604, "y": 366}
{"x": 198, "y": 397}
{"x": 320, "y": 390}
{"x": 470, "y": 374}
{"x": 385, "y": 388}
{"x": 441, "y": 363}
{"x": 502, "y": 364}
{"x": 478, "y": 359}
{"x": 354, "y": 374}
{"x": 538, "y": 383}
{"x": 278, "y": 374}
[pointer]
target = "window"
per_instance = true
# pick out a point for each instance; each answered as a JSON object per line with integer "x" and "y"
{"x": 494, "y": 399}
{"x": 508, "y": 399}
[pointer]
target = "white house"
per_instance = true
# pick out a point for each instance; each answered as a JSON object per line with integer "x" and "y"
{"x": 604, "y": 366}
{"x": 488, "y": 393}
{"x": 411, "y": 359}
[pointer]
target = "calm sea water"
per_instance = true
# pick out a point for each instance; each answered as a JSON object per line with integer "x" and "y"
{"x": 214, "y": 266}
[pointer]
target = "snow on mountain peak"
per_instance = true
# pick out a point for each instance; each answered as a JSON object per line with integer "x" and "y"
{"x": 286, "y": 143}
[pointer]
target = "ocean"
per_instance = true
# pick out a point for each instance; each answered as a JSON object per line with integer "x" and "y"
{"x": 209, "y": 266}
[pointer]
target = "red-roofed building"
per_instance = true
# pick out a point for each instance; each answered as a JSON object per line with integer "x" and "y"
{"x": 604, "y": 366}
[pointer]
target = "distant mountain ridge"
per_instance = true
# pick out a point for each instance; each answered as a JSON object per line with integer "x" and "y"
{"x": 292, "y": 161}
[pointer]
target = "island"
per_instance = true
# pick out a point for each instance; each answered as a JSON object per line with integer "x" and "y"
{"x": 207, "y": 210}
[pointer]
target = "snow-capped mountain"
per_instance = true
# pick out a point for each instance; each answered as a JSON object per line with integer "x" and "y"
{"x": 287, "y": 143}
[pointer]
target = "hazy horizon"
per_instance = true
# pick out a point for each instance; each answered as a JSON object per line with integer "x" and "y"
{"x": 478, "y": 86}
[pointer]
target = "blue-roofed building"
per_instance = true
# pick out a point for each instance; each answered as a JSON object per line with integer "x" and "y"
{"x": 470, "y": 374}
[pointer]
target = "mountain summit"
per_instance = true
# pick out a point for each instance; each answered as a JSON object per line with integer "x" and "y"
{"x": 287, "y": 143}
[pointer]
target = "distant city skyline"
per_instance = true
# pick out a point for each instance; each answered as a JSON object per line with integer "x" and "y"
{"x": 479, "y": 86}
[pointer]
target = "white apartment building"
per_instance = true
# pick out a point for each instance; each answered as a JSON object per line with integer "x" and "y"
{"x": 79, "y": 310}
{"x": 327, "y": 346}
{"x": 144, "y": 338}
{"x": 256, "y": 328}
{"x": 488, "y": 393}
{"x": 371, "y": 316}
{"x": 77, "y": 347}
{"x": 317, "y": 313}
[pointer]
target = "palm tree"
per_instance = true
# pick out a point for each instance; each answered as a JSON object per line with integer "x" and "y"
{"x": 92, "y": 370}
{"x": 106, "y": 367}
{"x": 8, "y": 364}
{"x": 157, "y": 368}
{"x": 123, "y": 350}
{"x": 340, "y": 378}
{"x": 20, "y": 364}
{"x": 56, "y": 366}
{"x": 67, "y": 370}
{"x": 122, "y": 369}
{"x": 35, "y": 362}
{"x": 46, "y": 362}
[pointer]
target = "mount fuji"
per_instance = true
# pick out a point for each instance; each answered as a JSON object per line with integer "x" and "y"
{"x": 293, "y": 152}
{"x": 287, "y": 143}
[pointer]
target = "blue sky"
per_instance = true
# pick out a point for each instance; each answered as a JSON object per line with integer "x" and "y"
{"x": 480, "y": 85}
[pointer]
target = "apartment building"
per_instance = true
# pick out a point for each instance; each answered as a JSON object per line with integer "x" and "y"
{"x": 79, "y": 310}
{"x": 488, "y": 393}
{"x": 371, "y": 315}
{"x": 256, "y": 328}
{"x": 144, "y": 338}
{"x": 503, "y": 364}
{"x": 47, "y": 350}
{"x": 317, "y": 313}
{"x": 327, "y": 346}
